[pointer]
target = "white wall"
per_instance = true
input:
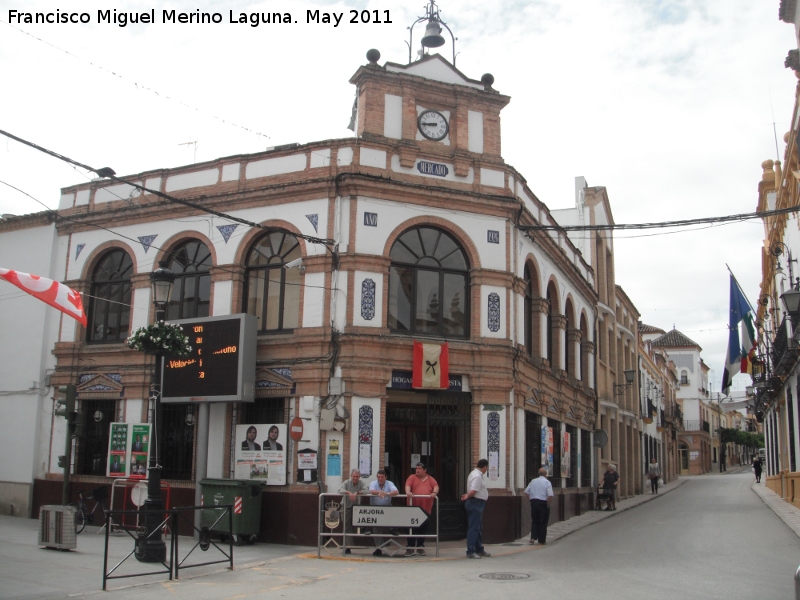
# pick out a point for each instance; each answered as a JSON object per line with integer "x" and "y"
{"x": 28, "y": 332}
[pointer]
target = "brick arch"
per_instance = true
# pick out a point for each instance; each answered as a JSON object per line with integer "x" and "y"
{"x": 245, "y": 244}
{"x": 570, "y": 359}
{"x": 530, "y": 260}
{"x": 583, "y": 327}
{"x": 184, "y": 236}
{"x": 251, "y": 236}
{"x": 89, "y": 267}
{"x": 459, "y": 234}
{"x": 553, "y": 329}
{"x": 97, "y": 253}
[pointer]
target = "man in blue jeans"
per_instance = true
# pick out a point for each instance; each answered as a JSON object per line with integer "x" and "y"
{"x": 475, "y": 501}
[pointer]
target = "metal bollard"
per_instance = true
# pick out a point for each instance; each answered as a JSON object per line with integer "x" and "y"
{"x": 797, "y": 584}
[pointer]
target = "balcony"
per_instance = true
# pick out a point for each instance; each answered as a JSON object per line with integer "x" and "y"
{"x": 697, "y": 426}
{"x": 784, "y": 350}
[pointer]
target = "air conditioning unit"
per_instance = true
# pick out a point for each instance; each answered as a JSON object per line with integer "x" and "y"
{"x": 57, "y": 527}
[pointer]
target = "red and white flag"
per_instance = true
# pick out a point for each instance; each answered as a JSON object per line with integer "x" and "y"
{"x": 53, "y": 293}
{"x": 431, "y": 368}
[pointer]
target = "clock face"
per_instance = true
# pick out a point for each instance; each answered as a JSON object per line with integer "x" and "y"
{"x": 433, "y": 125}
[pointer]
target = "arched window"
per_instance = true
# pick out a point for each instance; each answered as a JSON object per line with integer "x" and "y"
{"x": 568, "y": 363}
{"x": 272, "y": 291}
{"x": 552, "y": 332}
{"x": 428, "y": 284}
{"x": 110, "y": 306}
{"x": 532, "y": 316}
{"x": 584, "y": 354}
{"x": 684, "y": 378}
{"x": 191, "y": 293}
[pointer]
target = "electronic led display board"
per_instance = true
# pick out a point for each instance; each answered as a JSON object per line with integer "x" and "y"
{"x": 221, "y": 366}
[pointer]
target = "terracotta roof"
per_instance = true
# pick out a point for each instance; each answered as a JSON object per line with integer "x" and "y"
{"x": 645, "y": 328}
{"x": 675, "y": 339}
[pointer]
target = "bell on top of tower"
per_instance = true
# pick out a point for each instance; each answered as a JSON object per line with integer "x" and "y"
{"x": 433, "y": 32}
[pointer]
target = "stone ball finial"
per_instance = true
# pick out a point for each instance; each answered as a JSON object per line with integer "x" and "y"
{"x": 767, "y": 164}
{"x": 487, "y": 80}
{"x": 373, "y": 56}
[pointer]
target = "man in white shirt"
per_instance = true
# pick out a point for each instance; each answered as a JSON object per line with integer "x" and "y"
{"x": 382, "y": 491}
{"x": 475, "y": 501}
{"x": 540, "y": 492}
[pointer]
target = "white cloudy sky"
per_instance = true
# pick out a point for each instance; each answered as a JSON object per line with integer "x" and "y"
{"x": 668, "y": 103}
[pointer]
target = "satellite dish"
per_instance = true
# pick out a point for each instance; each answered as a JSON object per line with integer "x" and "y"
{"x": 600, "y": 438}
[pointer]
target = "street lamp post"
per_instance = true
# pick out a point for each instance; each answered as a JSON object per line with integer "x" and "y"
{"x": 152, "y": 548}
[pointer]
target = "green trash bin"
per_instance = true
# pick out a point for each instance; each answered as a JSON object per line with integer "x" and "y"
{"x": 245, "y": 496}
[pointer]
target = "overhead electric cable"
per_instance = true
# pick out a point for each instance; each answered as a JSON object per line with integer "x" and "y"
{"x": 108, "y": 173}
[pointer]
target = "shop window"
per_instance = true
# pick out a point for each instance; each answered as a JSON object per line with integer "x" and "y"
{"x": 272, "y": 292}
{"x": 428, "y": 284}
{"x": 587, "y": 452}
{"x": 110, "y": 306}
{"x": 92, "y": 446}
{"x": 533, "y": 445}
{"x": 176, "y": 440}
{"x": 191, "y": 292}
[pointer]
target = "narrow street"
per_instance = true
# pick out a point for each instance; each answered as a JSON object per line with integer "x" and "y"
{"x": 713, "y": 537}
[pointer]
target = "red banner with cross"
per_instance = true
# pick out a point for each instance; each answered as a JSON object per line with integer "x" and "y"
{"x": 431, "y": 369}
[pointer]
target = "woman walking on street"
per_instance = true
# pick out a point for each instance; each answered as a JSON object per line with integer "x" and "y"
{"x": 757, "y": 468}
{"x": 654, "y": 473}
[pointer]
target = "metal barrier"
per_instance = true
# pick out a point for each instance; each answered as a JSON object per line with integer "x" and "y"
{"x": 335, "y": 530}
{"x": 127, "y": 484}
{"x": 174, "y": 563}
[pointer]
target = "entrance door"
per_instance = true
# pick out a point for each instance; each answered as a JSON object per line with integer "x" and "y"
{"x": 438, "y": 431}
{"x": 684, "y": 452}
{"x": 402, "y": 443}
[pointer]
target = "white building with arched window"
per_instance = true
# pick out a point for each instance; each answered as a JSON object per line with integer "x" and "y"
{"x": 346, "y": 252}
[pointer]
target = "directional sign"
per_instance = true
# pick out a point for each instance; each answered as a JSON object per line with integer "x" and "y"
{"x": 388, "y": 516}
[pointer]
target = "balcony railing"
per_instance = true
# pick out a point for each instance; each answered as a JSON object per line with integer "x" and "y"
{"x": 696, "y": 426}
{"x": 784, "y": 350}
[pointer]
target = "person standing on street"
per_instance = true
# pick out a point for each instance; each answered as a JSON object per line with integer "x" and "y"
{"x": 475, "y": 501}
{"x": 351, "y": 490}
{"x": 654, "y": 473}
{"x": 540, "y": 493}
{"x": 421, "y": 489}
{"x": 757, "y": 468}
{"x": 381, "y": 491}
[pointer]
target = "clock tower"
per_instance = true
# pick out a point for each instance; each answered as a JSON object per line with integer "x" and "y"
{"x": 428, "y": 109}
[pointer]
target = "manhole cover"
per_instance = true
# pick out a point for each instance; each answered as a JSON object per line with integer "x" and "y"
{"x": 504, "y": 576}
{"x": 512, "y": 544}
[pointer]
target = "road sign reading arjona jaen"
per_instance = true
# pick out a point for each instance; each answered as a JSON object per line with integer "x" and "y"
{"x": 388, "y": 516}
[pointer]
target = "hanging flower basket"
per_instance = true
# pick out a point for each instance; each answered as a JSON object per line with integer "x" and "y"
{"x": 160, "y": 338}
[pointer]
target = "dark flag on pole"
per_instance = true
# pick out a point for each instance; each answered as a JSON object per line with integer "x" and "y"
{"x": 741, "y": 336}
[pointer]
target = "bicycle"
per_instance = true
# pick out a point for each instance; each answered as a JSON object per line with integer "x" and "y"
{"x": 83, "y": 515}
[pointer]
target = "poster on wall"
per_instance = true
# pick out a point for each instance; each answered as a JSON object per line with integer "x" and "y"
{"x": 261, "y": 453}
{"x": 566, "y": 462}
{"x": 334, "y": 466}
{"x": 128, "y": 450}
{"x": 547, "y": 449}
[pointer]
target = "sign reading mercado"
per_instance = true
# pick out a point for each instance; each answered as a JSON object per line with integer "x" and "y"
{"x": 221, "y": 366}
